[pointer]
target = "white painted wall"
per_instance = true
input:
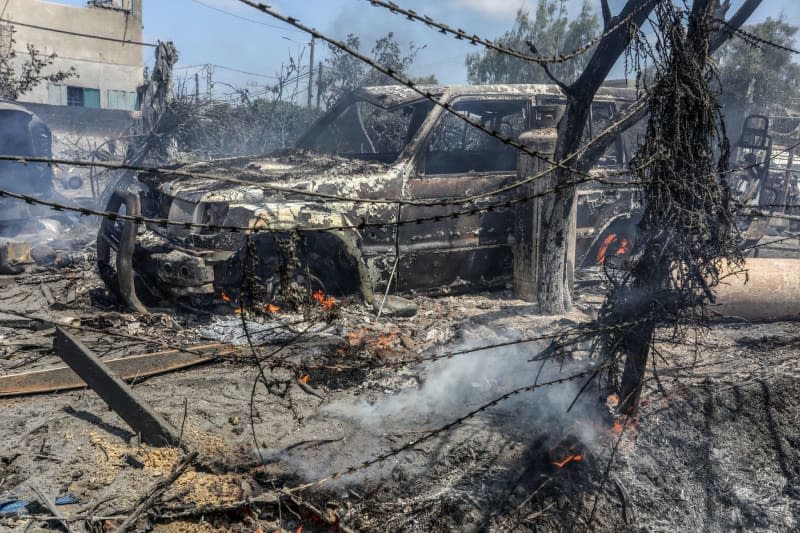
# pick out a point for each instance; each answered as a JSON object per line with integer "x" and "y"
{"x": 99, "y": 64}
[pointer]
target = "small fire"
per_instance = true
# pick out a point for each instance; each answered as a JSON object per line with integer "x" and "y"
{"x": 612, "y": 400}
{"x": 603, "y": 252}
{"x": 225, "y": 297}
{"x": 618, "y": 426}
{"x": 385, "y": 341}
{"x": 272, "y": 308}
{"x": 572, "y": 458}
{"x": 326, "y": 302}
{"x": 299, "y": 530}
{"x": 237, "y": 311}
{"x": 304, "y": 378}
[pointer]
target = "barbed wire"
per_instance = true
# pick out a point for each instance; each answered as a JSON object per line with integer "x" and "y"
{"x": 442, "y": 429}
{"x": 265, "y": 228}
{"x": 473, "y": 39}
{"x": 364, "y": 224}
{"x": 596, "y": 176}
{"x": 752, "y": 38}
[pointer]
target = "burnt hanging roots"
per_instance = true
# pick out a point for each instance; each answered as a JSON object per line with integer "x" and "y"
{"x": 687, "y": 232}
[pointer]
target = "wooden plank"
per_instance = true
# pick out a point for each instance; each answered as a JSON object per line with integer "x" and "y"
{"x": 153, "y": 429}
{"x": 128, "y": 368}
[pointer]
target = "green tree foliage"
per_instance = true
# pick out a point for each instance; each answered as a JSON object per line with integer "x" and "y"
{"x": 342, "y": 72}
{"x": 20, "y": 77}
{"x": 766, "y": 73}
{"x": 551, "y": 32}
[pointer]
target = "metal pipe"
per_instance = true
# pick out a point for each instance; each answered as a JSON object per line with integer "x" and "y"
{"x": 121, "y": 282}
{"x": 770, "y": 290}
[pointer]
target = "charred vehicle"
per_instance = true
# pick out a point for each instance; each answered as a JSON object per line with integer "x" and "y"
{"x": 377, "y": 143}
{"x": 24, "y": 134}
{"x": 765, "y": 175}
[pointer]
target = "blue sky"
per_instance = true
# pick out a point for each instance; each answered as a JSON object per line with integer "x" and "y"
{"x": 205, "y": 35}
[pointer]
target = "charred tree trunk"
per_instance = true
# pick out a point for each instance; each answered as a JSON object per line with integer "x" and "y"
{"x": 687, "y": 230}
{"x": 553, "y": 265}
{"x": 558, "y": 229}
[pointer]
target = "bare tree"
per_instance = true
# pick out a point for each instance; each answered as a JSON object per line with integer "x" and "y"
{"x": 554, "y": 282}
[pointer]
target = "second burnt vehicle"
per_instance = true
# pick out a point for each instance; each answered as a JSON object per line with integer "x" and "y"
{"x": 377, "y": 143}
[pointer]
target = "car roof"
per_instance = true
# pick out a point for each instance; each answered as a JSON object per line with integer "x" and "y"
{"x": 389, "y": 96}
{"x": 11, "y": 106}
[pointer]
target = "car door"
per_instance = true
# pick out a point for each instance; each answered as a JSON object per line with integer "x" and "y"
{"x": 469, "y": 251}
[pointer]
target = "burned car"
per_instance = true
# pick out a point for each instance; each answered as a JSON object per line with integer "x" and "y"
{"x": 377, "y": 144}
{"x": 23, "y": 225}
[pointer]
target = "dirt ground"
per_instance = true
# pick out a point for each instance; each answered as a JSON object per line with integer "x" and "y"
{"x": 717, "y": 446}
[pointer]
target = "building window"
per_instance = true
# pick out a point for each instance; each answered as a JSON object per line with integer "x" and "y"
{"x": 122, "y": 100}
{"x": 56, "y": 94}
{"x": 83, "y": 97}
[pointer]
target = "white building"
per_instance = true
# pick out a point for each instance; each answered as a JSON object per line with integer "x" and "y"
{"x": 98, "y": 40}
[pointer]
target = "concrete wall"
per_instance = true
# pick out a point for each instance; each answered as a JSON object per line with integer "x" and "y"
{"x": 99, "y": 64}
{"x": 106, "y": 123}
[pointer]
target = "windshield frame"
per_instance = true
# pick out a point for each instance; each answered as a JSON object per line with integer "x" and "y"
{"x": 308, "y": 139}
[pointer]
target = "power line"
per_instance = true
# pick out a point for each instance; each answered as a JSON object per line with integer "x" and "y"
{"x": 234, "y": 15}
{"x": 77, "y": 34}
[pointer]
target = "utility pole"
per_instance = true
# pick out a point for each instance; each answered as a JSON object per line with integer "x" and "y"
{"x": 196, "y": 88}
{"x": 319, "y": 84}
{"x": 209, "y": 80}
{"x": 311, "y": 72}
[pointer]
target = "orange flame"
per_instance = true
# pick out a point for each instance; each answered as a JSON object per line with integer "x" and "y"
{"x": 225, "y": 297}
{"x": 622, "y": 248}
{"x": 272, "y": 308}
{"x": 612, "y": 400}
{"x": 326, "y": 302}
{"x": 575, "y": 457}
{"x": 304, "y": 378}
{"x": 299, "y": 530}
{"x": 237, "y": 311}
{"x": 385, "y": 341}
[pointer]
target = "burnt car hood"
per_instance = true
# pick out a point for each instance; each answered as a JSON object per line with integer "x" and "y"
{"x": 300, "y": 170}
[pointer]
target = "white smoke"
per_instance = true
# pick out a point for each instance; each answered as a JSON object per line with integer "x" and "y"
{"x": 449, "y": 389}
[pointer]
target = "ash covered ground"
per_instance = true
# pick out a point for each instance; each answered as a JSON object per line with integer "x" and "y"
{"x": 716, "y": 447}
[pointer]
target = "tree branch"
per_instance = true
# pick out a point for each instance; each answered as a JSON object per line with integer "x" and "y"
{"x": 590, "y": 156}
{"x": 736, "y": 21}
{"x": 611, "y": 48}
{"x": 606, "y": 14}
{"x": 546, "y": 68}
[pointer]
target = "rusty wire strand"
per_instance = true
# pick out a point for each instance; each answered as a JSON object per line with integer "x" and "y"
{"x": 162, "y": 222}
{"x": 752, "y": 38}
{"x": 473, "y": 39}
